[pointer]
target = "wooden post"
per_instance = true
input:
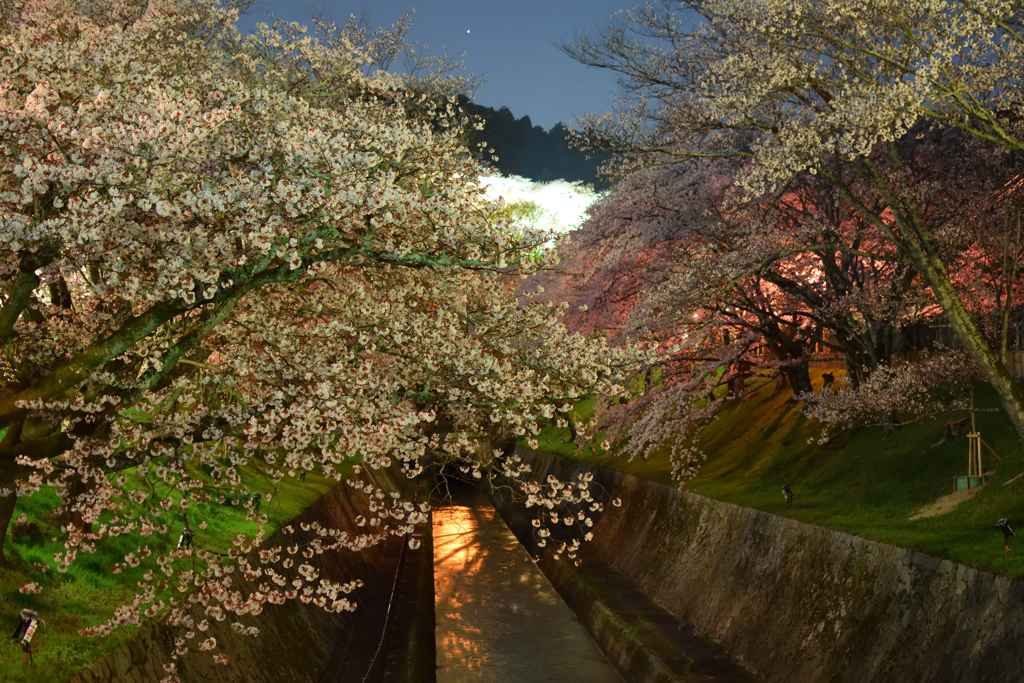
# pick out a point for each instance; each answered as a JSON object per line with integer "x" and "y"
{"x": 973, "y": 447}
{"x": 974, "y": 427}
{"x": 973, "y": 455}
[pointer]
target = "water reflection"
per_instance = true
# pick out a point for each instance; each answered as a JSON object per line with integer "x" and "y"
{"x": 498, "y": 618}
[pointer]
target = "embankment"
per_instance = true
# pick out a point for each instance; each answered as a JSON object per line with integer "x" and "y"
{"x": 802, "y": 603}
{"x": 297, "y": 642}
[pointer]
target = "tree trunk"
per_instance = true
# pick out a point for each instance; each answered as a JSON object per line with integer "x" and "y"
{"x": 851, "y": 367}
{"x": 799, "y": 377}
{"x": 69, "y": 510}
{"x": 918, "y": 243}
{"x": 975, "y": 344}
{"x": 890, "y": 424}
{"x": 780, "y": 383}
{"x": 7, "y": 503}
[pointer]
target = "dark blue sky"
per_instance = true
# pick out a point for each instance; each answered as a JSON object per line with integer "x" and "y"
{"x": 513, "y": 42}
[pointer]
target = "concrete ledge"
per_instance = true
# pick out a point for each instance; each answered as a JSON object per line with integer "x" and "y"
{"x": 645, "y": 643}
{"x": 798, "y": 602}
{"x": 624, "y": 645}
{"x": 412, "y": 651}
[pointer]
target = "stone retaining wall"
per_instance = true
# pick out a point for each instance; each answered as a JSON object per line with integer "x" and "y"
{"x": 801, "y": 603}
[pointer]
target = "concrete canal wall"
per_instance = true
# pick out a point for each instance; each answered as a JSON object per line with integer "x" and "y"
{"x": 300, "y": 642}
{"x": 801, "y": 603}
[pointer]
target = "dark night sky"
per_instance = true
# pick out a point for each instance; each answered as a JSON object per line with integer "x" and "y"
{"x": 512, "y": 42}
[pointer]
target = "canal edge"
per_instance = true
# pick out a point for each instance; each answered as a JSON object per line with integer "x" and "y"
{"x": 641, "y": 652}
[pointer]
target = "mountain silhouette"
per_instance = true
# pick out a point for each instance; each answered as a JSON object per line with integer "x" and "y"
{"x": 527, "y": 150}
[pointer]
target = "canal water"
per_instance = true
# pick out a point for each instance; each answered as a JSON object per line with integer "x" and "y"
{"x": 498, "y": 618}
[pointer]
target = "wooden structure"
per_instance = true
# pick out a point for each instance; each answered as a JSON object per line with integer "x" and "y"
{"x": 974, "y": 454}
{"x": 975, "y": 472}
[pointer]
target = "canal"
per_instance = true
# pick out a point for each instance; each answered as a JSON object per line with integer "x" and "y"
{"x": 498, "y": 618}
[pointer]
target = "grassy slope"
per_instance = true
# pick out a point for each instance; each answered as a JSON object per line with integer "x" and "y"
{"x": 88, "y": 593}
{"x": 860, "y": 482}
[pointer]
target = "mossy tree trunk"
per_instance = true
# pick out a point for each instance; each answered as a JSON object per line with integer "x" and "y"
{"x": 12, "y": 446}
{"x": 7, "y": 505}
{"x": 909, "y": 231}
{"x": 977, "y": 346}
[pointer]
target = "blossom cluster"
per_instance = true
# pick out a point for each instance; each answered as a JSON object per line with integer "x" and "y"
{"x": 226, "y": 255}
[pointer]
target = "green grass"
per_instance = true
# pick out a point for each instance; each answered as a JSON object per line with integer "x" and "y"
{"x": 861, "y": 482}
{"x": 88, "y": 593}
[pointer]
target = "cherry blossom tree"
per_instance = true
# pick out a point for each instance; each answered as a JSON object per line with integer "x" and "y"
{"x": 266, "y": 251}
{"x": 832, "y": 89}
{"x": 670, "y": 253}
{"x": 665, "y": 257}
{"x": 897, "y": 394}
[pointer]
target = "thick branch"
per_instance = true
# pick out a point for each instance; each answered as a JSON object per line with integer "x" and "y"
{"x": 21, "y": 291}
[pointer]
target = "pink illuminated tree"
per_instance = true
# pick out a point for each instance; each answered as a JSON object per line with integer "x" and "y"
{"x": 739, "y": 291}
{"x": 802, "y": 88}
{"x": 673, "y": 254}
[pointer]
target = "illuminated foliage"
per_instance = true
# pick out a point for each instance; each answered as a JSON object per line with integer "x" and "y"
{"x": 266, "y": 252}
{"x": 853, "y": 93}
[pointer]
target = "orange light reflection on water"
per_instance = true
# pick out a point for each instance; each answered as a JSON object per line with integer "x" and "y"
{"x": 458, "y": 558}
{"x": 498, "y": 618}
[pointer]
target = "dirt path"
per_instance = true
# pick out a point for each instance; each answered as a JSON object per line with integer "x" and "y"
{"x": 946, "y": 504}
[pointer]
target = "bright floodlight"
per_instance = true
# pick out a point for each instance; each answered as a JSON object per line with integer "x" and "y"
{"x": 564, "y": 203}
